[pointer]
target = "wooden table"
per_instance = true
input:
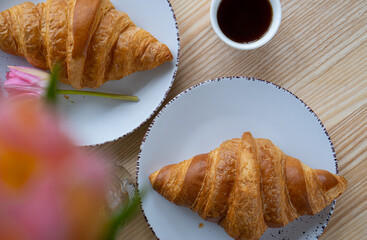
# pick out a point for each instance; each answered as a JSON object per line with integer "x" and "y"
{"x": 319, "y": 54}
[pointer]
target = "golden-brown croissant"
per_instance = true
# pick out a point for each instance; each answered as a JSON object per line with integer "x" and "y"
{"x": 248, "y": 185}
{"x": 92, "y": 41}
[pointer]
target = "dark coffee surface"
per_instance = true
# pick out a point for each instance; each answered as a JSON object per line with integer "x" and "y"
{"x": 244, "y": 21}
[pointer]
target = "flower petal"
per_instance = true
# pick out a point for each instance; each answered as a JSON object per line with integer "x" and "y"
{"x": 28, "y": 77}
{"x": 40, "y": 74}
{"x": 25, "y": 96}
{"x": 9, "y": 75}
{"x": 16, "y": 81}
{"x": 14, "y": 89}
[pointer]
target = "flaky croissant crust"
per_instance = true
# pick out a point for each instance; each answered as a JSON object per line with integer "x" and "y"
{"x": 247, "y": 185}
{"x": 92, "y": 41}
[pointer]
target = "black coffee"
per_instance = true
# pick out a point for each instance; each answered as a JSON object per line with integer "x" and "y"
{"x": 244, "y": 21}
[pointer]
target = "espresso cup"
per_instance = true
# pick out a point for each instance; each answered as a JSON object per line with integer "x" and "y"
{"x": 266, "y": 37}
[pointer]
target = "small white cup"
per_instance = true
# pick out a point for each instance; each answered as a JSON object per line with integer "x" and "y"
{"x": 274, "y": 25}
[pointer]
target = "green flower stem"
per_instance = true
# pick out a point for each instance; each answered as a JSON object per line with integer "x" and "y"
{"x": 51, "y": 89}
{"x": 99, "y": 94}
{"x": 120, "y": 217}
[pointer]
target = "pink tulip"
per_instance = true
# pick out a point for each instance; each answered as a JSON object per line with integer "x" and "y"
{"x": 25, "y": 82}
{"x": 49, "y": 189}
{"x": 30, "y": 83}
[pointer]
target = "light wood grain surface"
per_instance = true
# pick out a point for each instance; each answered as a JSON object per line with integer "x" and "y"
{"x": 319, "y": 54}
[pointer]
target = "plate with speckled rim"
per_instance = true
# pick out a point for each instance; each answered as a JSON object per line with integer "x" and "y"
{"x": 199, "y": 119}
{"x": 92, "y": 120}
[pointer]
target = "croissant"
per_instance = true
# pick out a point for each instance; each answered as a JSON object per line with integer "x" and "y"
{"x": 91, "y": 40}
{"x": 248, "y": 185}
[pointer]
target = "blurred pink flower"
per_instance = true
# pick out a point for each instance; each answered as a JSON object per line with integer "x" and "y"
{"x": 49, "y": 189}
{"x": 25, "y": 82}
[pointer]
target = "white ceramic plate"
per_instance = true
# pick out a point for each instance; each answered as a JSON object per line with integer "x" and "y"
{"x": 201, "y": 118}
{"x": 93, "y": 120}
